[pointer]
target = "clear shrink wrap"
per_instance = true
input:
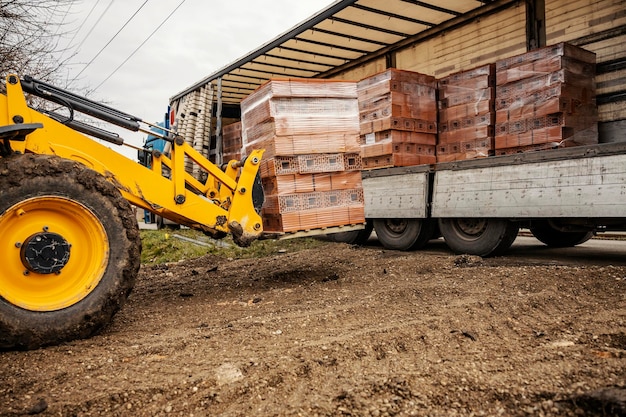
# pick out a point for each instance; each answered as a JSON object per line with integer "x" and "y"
{"x": 317, "y": 116}
{"x": 397, "y": 118}
{"x": 311, "y": 167}
{"x": 545, "y": 99}
{"x": 466, "y": 114}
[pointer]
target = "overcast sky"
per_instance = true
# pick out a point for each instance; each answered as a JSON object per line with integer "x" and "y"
{"x": 198, "y": 39}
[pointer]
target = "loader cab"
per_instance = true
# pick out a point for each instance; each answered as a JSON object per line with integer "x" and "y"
{"x": 152, "y": 143}
{"x": 155, "y": 143}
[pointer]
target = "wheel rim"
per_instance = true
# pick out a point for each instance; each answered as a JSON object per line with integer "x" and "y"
{"x": 397, "y": 226}
{"x": 470, "y": 228}
{"x": 73, "y": 256}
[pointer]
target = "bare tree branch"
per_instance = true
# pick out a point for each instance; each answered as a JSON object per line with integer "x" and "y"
{"x": 30, "y": 31}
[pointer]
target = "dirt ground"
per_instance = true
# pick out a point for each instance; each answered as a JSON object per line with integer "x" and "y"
{"x": 344, "y": 331}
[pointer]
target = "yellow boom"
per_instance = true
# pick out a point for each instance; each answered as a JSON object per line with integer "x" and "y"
{"x": 69, "y": 243}
{"x": 222, "y": 203}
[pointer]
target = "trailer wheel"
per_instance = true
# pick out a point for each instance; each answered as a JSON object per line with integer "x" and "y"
{"x": 404, "y": 234}
{"x": 555, "y": 238}
{"x": 482, "y": 237}
{"x": 69, "y": 250}
{"x": 354, "y": 237}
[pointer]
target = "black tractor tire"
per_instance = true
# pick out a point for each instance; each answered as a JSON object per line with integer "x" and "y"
{"x": 558, "y": 239}
{"x": 404, "y": 234}
{"x": 354, "y": 237}
{"x": 481, "y": 237}
{"x": 76, "y": 200}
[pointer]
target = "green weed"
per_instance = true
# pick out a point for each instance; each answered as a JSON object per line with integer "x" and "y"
{"x": 162, "y": 246}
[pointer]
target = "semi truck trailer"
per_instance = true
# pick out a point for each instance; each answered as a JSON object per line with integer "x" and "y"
{"x": 564, "y": 196}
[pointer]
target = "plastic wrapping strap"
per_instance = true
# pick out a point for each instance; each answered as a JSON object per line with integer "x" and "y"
{"x": 312, "y": 88}
{"x": 463, "y": 76}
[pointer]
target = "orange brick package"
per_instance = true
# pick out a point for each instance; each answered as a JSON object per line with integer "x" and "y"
{"x": 311, "y": 167}
{"x": 231, "y": 145}
{"x": 466, "y": 114}
{"x": 312, "y": 116}
{"x": 545, "y": 99}
{"x": 397, "y": 119}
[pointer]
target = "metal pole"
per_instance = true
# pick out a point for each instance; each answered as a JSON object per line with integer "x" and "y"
{"x": 219, "y": 159}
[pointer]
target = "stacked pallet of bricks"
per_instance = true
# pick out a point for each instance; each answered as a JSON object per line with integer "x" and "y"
{"x": 397, "y": 119}
{"x": 231, "y": 141}
{"x": 466, "y": 114}
{"x": 311, "y": 169}
{"x": 545, "y": 99}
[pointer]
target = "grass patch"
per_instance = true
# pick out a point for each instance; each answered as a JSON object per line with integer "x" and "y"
{"x": 162, "y": 246}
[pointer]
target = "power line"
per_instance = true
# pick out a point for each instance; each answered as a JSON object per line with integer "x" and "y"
{"x": 140, "y": 46}
{"x": 110, "y": 40}
{"x": 67, "y": 10}
{"x": 83, "y": 23}
{"x": 94, "y": 25}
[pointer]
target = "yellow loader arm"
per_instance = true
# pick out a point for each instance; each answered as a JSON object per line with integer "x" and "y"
{"x": 69, "y": 242}
{"x": 222, "y": 203}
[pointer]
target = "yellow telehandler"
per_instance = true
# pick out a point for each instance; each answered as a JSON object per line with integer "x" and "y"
{"x": 69, "y": 240}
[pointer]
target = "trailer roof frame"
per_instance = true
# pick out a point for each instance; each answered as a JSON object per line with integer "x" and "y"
{"x": 362, "y": 30}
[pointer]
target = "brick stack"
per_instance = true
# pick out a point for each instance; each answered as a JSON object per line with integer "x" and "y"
{"x": 311, "y": 167}
{"x": 466, "y": 114}
{"x": 397, "y": 119}
{"x": 545, "y": 99}
{"x": 231, "y": 141}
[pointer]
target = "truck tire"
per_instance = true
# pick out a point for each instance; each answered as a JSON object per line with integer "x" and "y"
{"x": 481, "y": 237}
{"x": 354, "y": 237}
{"x": 555, "y": 238}
{"x": 404, "y": 234}
{"x": 69, "y": 249}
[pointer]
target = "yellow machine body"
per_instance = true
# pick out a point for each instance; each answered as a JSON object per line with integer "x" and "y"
{"x": 222, "y": 203}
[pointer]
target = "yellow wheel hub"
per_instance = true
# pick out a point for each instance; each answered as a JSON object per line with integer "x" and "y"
{"x": 53, "y": 253}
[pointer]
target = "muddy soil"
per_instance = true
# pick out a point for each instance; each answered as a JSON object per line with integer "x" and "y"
{"x": 343, "y": 331}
